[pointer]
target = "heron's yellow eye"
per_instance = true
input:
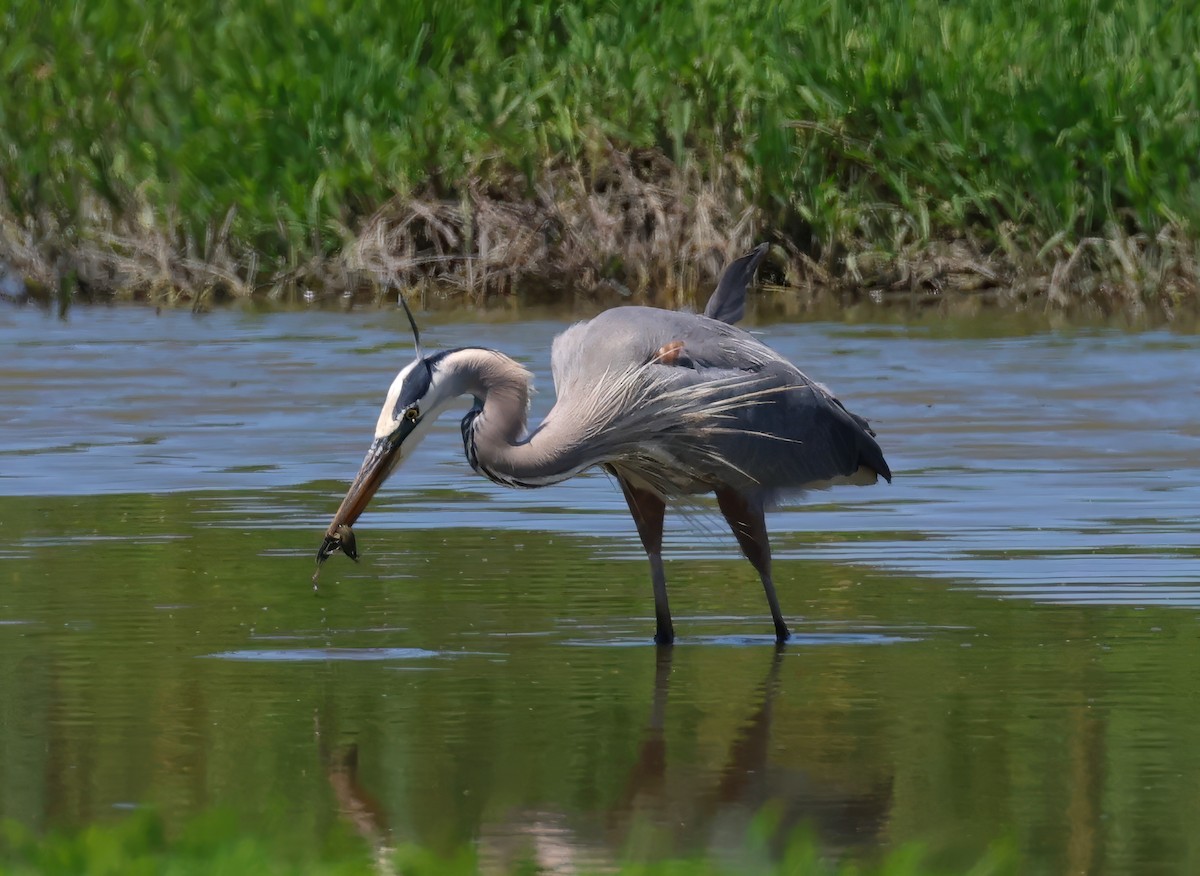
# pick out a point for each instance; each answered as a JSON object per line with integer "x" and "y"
{"x": 412, "y": 414}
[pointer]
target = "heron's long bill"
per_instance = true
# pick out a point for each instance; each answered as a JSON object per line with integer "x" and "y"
{"x": 380, "y": 460}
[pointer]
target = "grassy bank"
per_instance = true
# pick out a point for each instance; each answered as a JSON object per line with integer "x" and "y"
{"x": 142, "y": 844}
{"x": 1037, "y": 151}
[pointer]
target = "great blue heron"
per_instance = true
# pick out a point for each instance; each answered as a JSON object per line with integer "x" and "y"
{"x": 671, "y": 404}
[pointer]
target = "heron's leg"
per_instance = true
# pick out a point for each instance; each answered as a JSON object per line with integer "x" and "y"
{"x": 749, "y": 524}
{"x": 648, "y": 510}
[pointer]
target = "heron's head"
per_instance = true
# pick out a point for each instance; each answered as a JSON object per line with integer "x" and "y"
{"x": 420, "y": 392}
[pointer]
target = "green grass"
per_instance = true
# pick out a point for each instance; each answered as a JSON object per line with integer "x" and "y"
{"x": 141, "y": 845}
{"x": 270, "y": 134}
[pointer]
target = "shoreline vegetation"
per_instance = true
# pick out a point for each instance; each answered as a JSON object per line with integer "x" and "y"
{"x": 216, "y": 842}
{"x": 1030, "y": 155}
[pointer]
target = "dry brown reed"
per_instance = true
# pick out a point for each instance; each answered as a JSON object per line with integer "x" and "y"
{"x": 626, "y": 225}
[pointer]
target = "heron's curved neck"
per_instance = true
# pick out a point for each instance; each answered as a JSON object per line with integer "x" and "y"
{"x": 494, "y": 432}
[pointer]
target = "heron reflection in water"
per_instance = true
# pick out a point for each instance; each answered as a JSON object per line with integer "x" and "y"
{"x": 671, "y": 404}
{"x": 667, "y": 804}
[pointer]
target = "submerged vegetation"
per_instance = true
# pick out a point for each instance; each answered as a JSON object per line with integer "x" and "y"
{"x": 1040, "y": 151}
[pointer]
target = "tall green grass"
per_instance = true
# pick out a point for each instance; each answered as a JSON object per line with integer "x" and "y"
{"x": 848, "y": 124}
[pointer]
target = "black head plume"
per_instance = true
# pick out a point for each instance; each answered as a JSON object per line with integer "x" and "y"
{"x": 413, "y": 323}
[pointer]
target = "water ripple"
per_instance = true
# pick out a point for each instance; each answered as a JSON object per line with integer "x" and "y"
{"x": 307, "y": 655}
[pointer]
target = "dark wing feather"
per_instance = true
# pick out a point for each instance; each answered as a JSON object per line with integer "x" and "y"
{"x": 790, "y": 434}
{"x": 728, "y": 302}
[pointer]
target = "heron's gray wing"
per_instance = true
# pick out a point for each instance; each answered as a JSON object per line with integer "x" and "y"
{"x": 802, "y": 435}
{"x": 790, "y": 433}
{"x": 728, "y": 302}
{"x": 770, "y": 421}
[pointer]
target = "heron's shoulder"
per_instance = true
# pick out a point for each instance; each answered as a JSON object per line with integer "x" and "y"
{"x": 634, "y": 335}
{"x": 635, "y": 322}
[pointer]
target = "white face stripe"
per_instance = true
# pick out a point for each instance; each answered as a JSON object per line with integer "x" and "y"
{"x": 386, "y": 424}
{"x": 426, "y": 385}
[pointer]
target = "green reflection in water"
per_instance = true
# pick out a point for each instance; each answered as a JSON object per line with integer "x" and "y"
{"x": 499, "y": 690}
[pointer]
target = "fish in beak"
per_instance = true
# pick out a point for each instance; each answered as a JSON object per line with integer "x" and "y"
{"x": 381, "y": 459}
{"x": 400, "y": 420}
{"x": 416, "y": 397}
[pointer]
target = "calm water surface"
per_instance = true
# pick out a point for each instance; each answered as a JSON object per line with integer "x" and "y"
{"x": 1002, "y": 646}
